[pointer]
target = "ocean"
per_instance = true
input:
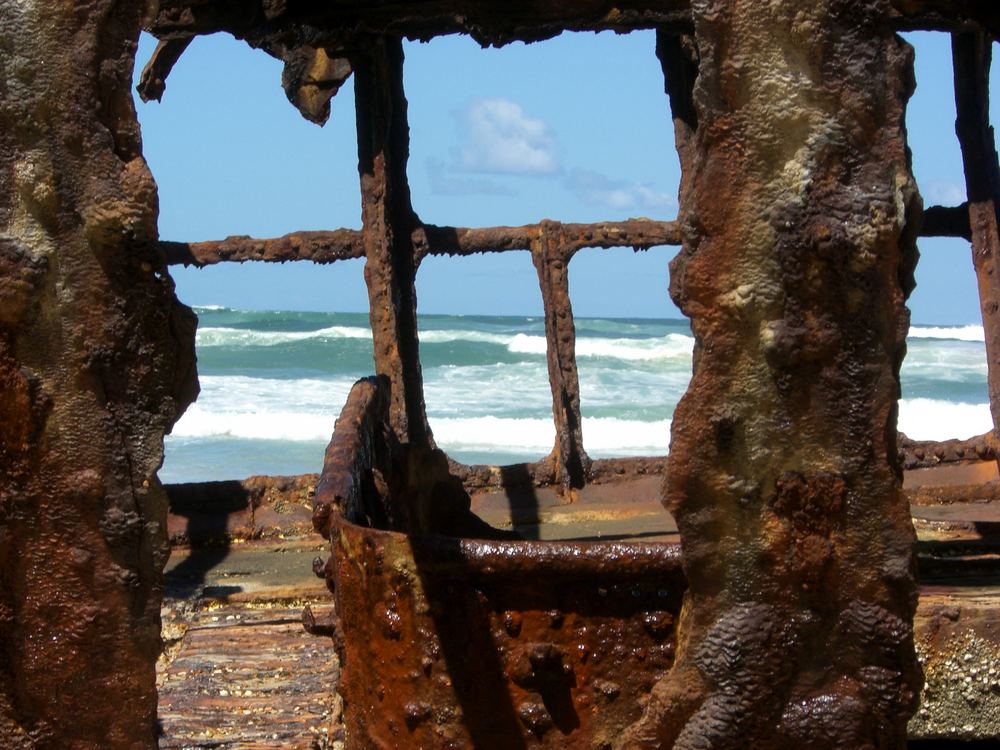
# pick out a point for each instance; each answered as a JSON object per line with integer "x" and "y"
{"x": 273, "y": 383}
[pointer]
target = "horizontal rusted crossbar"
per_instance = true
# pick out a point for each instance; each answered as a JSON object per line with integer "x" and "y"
{"x": 345, "y": 244}
{"x": 488, "y": 22}
{"x": 947, "y": 221}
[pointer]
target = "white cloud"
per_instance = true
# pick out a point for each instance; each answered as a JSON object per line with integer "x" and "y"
{"x": 942, "y": 193}
{"x": 502, "y": 139}
{"x": 622, "y": 195}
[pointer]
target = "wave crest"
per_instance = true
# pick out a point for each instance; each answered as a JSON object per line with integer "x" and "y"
{"x": 221, "y": 336}
{"x": 671, "y": 346}
{"x": 955, "y": 333}
{"x": 932, "y": 419}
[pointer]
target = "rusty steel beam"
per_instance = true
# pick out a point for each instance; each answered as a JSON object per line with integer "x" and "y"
{"x": 946, "y": 15}
{"x": 550, "y": 256}
{"x": 490, "y": 23}
{"x": 428, "y": 239}
{"x": 923, "y": 453}
{"x": 799, "y": 222}
{"x": 640, "y": 234}
{"x": 389, "y": 223}
{"x": 433, "y": 500}
{"x": 972, "y": 53}
{"x": 946, "y": 221}
{"x": 318, "y": 247}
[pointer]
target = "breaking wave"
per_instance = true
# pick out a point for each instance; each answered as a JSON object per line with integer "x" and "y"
{"x": 956, "y": 333}
{"x": 931, "y": 419}
{"x": 220, "y": 336}
{"x": 671, "y": 346}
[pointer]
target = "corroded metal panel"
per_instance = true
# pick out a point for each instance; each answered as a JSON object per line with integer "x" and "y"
{"x": 458, "y": 642}
{"x": 798, "y": 215}
{"x": 467, "y": 643}
{"x": 96, "y": 362}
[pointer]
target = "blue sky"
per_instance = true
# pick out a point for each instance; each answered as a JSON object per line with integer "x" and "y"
{"x": 576, "y": 128}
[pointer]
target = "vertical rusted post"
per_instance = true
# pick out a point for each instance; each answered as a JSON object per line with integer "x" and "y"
{"x": 96, "y": 363}
{"x": 972, "y": 53}
{"x": 783, "y": 472}
{"x": 551, "y": 257}
{"x": 678, "y": 57}
{"x": 389, "y": 221}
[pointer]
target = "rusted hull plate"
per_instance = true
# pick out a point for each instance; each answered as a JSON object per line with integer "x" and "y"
{"x": 462, "y": 643}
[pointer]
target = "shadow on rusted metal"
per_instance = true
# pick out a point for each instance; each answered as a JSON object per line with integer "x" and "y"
{"x": 489, "y": 643}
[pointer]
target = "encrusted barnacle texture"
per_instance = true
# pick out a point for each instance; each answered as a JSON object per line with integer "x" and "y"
{"x": 96, "y": 362}
{"x": 783, "y": 474}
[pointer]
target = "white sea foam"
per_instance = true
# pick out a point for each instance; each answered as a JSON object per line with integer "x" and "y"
{"x": 485, "y": 407}
{"x": 221, "y": 336}
{"x": 257, "y": 424}
{"x": 480, "y": 390}
{"x": 493, "y": 433}
{"x": 608, "y": 436}
{"x": 602, "y": 436}
{"x": 931, "y": 419}
{"x": 263, "y": 408}
{"x": 671, "y": 346}
{"x": 957, "y": 333}
{"x": 306, "y": 409}
{"x": 445, "y": 337}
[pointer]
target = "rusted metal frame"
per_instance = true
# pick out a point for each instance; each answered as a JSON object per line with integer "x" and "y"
{"x": 487, "y": 23}
{"x": 923, "y": 453}
{"x": 972, "y": 53}
{"x": 640, "y": 234}
{"x": 347, "y": 244}
{"x": 318, "y": 247}
{"x": 945, "y": 15}
{"x": 493, "y": 23}
{"x": 311, "y": 76}
{"x": 551, "y": 254}
{"x": 389, "y": 223}
{"x": 501, "y": 559}
{"x": 352, "y": 452}
{"x": 466, "y": 643}
{"x": 947, "y": 221}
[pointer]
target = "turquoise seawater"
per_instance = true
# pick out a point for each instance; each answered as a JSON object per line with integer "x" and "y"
{"x": 273, "y": 383}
